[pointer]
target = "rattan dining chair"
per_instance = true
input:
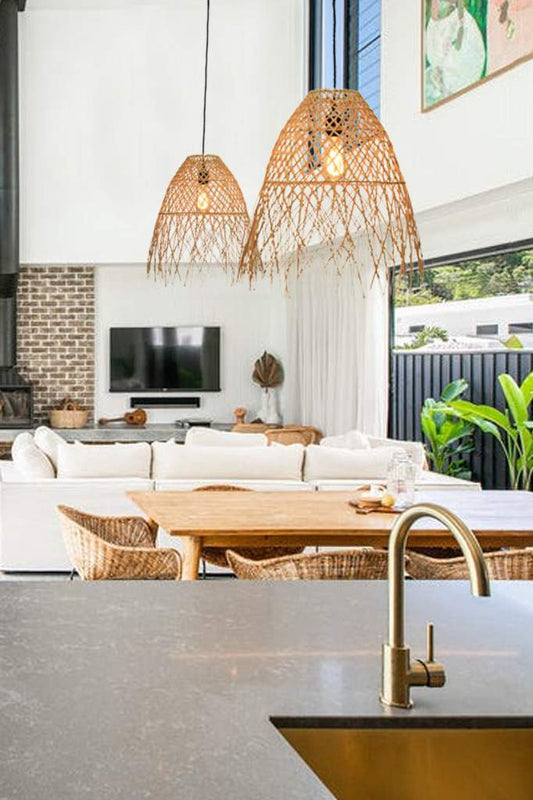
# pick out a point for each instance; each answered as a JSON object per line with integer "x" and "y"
{"x": 294, "y": 434}
{"x": 115, "y": 548}
{"x": 358, "y": 564}
{"x": 217, "y": 556}
{"x": 503, "y": 565}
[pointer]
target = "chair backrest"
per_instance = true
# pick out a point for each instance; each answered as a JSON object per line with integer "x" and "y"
{"x": 125, "y": 531}
{"x": 80, "y": 543}
{"x": 357, "y": 564}
{"x": 511, "y": 565}
{"x": 294, "y": 434}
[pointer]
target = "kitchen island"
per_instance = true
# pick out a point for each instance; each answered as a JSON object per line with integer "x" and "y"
{"x": 166, "y": 690}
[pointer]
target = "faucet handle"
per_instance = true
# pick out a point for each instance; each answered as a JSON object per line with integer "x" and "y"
{"x": 436, "y": 676}
{"x": 430, "y": 643}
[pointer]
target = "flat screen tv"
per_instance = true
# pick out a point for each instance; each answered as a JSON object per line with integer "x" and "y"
{"x": 185, "y": 359}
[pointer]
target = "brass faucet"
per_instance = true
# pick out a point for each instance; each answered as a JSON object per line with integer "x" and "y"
{"x": 399, "y": 674}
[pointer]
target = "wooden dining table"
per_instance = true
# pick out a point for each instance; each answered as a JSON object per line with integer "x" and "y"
{"x": 231, "y": 520}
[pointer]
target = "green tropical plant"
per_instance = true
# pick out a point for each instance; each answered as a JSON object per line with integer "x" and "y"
{"x": 511, "y": 428}
{"x": 448, "y": 439}
{"x": 426, "y": 336}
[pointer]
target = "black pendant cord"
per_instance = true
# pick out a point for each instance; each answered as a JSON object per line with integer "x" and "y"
{"x": 205, "y": 73}
{"x": 334, "y": 6}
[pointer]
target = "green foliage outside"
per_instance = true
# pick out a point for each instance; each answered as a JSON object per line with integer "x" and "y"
{"x": 511, "y": 273}
{"x": 513, "y": 343}
{"x": 512, "y": 428}
{"x": 424, "y": 337}
{"x": 448, "y": 438}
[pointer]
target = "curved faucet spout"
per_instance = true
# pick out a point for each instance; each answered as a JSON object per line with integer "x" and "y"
{"x": 479, "y": 578}
{"x": 399, "y": 674}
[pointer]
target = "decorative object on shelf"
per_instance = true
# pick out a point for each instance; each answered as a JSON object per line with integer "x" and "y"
{"x": 68, "y": 414}
{"x": 136, "y": 418}
{"x": 240, "y": 415}
{"x": 203, "y": 218}
{"x": 332, "y": 181}
{"x": 268, "y": 374}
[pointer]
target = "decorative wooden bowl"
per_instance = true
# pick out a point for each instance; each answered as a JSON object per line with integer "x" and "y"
{"x": 68, "y": 418}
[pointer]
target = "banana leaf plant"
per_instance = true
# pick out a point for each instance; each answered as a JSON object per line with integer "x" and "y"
{"x": 512, "y": 428}
{"x": 448, "y": 437}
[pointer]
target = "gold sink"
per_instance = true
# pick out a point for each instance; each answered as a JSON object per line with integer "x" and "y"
{"x": 415, "y": 759}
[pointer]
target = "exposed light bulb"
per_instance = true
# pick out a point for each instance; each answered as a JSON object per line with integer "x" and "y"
{"x": 203, "y": 201}
{"x": 334, "y": 163}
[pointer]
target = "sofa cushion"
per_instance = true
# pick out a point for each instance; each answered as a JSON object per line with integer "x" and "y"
{"x": 335, "y": 462}
{"x": 31, "y": 462}
{"x": 171, "y": 460}
{"x": 353, "y": 440}
{"x": 20, "y": 441}
{"x": 48, "y": 441}
{"x": 104, "y": 460}
{"x": 207, "y": 437}
{"x": 413, "y": 449}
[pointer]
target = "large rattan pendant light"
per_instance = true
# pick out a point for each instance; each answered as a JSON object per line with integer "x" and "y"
{"x": 203, "y": 217}
{"x": 333, "y": 181}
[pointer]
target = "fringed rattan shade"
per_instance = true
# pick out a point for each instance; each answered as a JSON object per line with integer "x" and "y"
{"x": 332, "y": 181}
{"x": 202, "y": 220}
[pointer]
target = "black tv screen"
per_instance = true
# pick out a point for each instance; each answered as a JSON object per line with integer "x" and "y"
{"x": 185, "y": 359}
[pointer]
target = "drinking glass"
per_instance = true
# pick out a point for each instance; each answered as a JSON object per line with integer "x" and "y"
{"x": 401, "y": 479}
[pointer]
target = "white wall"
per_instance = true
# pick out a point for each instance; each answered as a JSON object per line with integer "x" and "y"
{"x": 111, "y": 104}
{"x": 476, "y": 146}
{"x": 251, "y": 321}
{"x": 111, "y": 98}
{"x": 498, "y": 216}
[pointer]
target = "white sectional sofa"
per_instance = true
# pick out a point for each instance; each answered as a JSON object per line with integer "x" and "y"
{"x": 30, "y": 538}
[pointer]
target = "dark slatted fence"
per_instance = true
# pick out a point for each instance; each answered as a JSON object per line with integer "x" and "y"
{"x": 416, "y": 376}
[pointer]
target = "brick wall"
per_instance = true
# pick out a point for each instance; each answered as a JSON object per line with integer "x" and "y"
{"x": 55, "y": 336}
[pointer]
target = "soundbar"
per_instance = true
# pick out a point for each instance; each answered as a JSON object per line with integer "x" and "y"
{"x": 165, "y": 402}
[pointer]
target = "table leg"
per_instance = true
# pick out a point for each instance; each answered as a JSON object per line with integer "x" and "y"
{"x": 192, "y": 550}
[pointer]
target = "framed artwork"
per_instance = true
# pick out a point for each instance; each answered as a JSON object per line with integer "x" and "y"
{"x": 466, "y": 42}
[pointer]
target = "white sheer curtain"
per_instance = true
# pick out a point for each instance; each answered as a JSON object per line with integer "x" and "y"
{"x": 337, "y": 351}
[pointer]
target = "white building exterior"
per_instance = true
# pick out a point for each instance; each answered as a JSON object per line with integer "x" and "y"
{"x": 495, "y": 318}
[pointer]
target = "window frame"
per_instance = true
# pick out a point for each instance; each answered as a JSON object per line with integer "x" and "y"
{"x": 348, "y": 76}
{"x": 441, "y": 261}
{"x": 480, "y": 332}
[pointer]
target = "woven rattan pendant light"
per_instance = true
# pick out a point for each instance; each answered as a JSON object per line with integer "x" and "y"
{"x": 203, "y": 218}
{"x": 333, "y": 183}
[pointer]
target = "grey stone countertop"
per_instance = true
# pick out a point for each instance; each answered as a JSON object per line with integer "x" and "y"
{"x": 164, "y": 690}
{"x": 116, "y": 432}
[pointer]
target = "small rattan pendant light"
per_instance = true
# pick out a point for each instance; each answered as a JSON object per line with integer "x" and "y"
{"x": 203, "y": 218}
{"x": 333, "y": 190}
